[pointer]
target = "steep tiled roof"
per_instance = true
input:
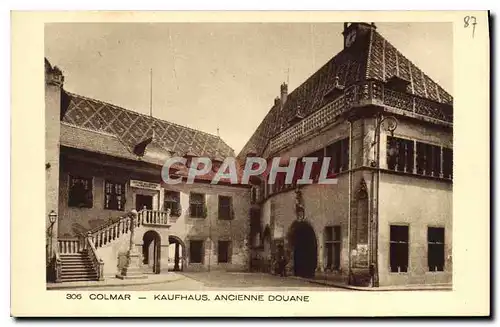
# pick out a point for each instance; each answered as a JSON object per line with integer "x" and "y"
{"x": 385, "y": 61}
{"x": 131, "y": 128}
{"x": 370, "y": 57}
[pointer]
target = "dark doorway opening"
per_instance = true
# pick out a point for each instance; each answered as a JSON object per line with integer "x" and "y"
{"x": 176, "y": 254}
{"x": 304, "y": 249}
{"x": 151, "y": 251}
{"x": 142, "y": 201}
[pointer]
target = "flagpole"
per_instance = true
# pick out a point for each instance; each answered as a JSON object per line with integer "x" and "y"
{"x": 151, "y": 92}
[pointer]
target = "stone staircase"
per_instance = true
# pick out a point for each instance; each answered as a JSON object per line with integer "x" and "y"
{"x": 77, "y": 267}
{"x": 77, "y": 258}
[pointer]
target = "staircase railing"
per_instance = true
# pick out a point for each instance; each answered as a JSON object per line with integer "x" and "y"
{"x": 94, "y": 257}
{"x": 112, "y": 230}
{"x": 106, "y": 233}
{"x": 154, "y": 217}
{"x": 69, "y": 245}
{"x": 58, "y": 268}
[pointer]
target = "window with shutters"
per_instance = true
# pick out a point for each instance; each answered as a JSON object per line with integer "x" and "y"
{"x": 435, "y": 248}
{"x": 114, "y": 196}
{"x": 399, "y": 248}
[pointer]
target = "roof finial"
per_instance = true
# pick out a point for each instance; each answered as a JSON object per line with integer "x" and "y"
{"x": 218, "y": 135}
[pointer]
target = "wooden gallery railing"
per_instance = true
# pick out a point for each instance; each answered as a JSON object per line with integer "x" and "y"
{"x": 104, "y": 234}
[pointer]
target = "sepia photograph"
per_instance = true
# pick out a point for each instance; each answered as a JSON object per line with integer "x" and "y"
{"x": 250, "y": 164}
{"x": 122, "y": 99}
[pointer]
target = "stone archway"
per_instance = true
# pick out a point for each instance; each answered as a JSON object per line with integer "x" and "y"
{"x": 303, "y": 248}
{"x": 151, "y": 251}
{"x": 176, "y": 253}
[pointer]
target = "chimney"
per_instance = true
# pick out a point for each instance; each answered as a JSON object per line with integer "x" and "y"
{"x": 277, "y": 101}
{"x": 284, "y": 93}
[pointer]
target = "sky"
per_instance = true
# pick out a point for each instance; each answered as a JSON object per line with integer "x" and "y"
{"x": 218, "y": 77}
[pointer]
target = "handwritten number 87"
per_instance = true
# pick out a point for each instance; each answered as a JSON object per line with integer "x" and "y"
{"x": 470, "y": 20}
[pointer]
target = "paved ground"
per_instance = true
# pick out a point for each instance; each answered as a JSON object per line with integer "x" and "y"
{"x": 225, "y": 281}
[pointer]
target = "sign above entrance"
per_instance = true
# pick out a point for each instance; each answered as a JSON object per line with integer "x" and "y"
{"x": 144, "y": 185}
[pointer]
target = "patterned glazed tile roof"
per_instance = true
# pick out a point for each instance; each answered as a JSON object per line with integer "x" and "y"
{"x": 132, "y": 128}
{"x": 371, "y": 56}
{"x": 385, "y": 61}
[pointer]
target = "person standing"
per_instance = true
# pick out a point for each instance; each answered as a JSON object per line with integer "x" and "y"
{"x": 281, "y": 261}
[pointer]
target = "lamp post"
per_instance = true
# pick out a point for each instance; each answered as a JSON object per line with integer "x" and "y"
{"x": 391, "y": 124}
{"x": 52, "y": 220}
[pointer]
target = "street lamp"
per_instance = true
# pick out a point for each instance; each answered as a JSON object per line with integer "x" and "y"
{"x": 52, "y": 217}
{"x": 52, "y": 220}
{"x": 390, "y": 123}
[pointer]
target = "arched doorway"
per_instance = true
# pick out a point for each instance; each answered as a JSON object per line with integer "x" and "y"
{"x": 303, "y": 244}
{"x": 176, "y": 254}
{"x": 151, "y": 251}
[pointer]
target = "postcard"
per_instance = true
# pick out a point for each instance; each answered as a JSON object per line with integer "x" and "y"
{"x": 244, "y": 164}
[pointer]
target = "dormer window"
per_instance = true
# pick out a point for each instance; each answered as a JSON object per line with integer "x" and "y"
{"x": 189, "y": 155}
{"x": 217, "y": 162}
{"x": 397, "y": 83}
{"x": 140, "y": 148}
{"x": 335, "y": 91}
{"x": 297, "y": 117}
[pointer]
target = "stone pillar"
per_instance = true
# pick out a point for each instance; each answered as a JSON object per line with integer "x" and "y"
{"x": 176, "y": 257}
{"x": 54, "y": 81}
{"x": 132, "y": 268}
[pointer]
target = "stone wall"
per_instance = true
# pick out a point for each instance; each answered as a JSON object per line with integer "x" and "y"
{"x": 184, "y": 228}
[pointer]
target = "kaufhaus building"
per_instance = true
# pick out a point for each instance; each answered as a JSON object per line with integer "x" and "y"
{"x": 385, "y": 126}
{"x": 387, "y": 129}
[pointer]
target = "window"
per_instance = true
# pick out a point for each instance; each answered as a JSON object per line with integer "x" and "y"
{"x": 196, "y": 251}
{"x": 115, "y": 196}
{"x": 428, "y": 159}
{"x": 225, "y": 208}
{"x": 339, "y": 155}
{"x": 447, "y": 163}
{"x": 80, "y": 192}
{"x": 431, "y": 160}
{"x": 435, "y": 249}
{"x": 197, "y": 208}
{"x": 332, "y": 245}
{"x": 316, "y": 166}
{"x": 399, "y": 248}
{"x": 172, "y": 201}
{"x": 223, "y": 252}
{"x": 402, "y": 159}
{"x": 279, "y": 182}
